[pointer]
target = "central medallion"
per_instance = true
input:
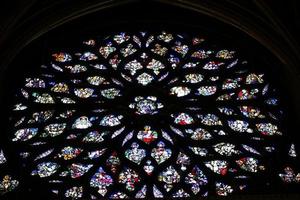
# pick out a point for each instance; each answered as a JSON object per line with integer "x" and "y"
{"x": 146, "y": 105}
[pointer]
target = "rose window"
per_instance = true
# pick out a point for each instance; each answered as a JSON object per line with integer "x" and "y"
{"x": 148, "y": 115}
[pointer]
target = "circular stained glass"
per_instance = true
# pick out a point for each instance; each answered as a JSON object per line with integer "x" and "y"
{"x": 147, "y": 115}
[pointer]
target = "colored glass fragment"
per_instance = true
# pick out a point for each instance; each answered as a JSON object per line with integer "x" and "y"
{"x": 218, "y": 166}
{"x": 8, "y": 184}
{"x": 62, "y": 57}
{"x": 183, "y": 119}
{"x": 129, "y": 177}
{"x": 207, "y": 90}
{"x": 161, "y": 154}
{"x": 135, "y": 154}
{"x": 105, "y": 51}
{"x": 223, "y": 189}
{"x": 147, "y": 135}
{"x": 74, "y": 192}
{"x": 25, "y": 134}
{"x": 111, "y": 120}
{"x": 68, "y": 153}
{"x": 180, "y": 91}
{"x": 82, "y": 122}
{"x": 45, "y": 169}
{"x": 169, "y": 176}
{"x": 144, "y": 79}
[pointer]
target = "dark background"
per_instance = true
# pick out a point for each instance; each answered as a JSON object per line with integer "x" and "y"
{"x": 265, "y": 31}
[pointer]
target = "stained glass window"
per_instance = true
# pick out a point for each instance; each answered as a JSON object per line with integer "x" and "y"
{"x": 148, "y": 115}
